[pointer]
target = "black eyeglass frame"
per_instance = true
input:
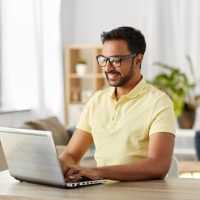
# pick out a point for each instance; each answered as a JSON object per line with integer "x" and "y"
{"x": 121, "y": 58}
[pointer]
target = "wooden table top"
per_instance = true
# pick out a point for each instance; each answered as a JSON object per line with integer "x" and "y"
{"x": 168, "y": 189}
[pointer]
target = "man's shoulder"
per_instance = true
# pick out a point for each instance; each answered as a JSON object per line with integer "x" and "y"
{"x": 156, "y": 93}
{"x": 153, "y": 90}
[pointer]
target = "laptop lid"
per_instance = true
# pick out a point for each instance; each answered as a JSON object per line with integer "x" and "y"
{"x": 31, "y": 156}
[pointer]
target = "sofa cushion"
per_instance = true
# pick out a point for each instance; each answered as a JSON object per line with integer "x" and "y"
{"x": 60, "y": 134}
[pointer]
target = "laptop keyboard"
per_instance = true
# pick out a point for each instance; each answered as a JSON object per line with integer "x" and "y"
{"x": 83, "y": 182}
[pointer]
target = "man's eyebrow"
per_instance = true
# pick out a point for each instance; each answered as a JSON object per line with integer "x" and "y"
{"x": 112, "y": 56}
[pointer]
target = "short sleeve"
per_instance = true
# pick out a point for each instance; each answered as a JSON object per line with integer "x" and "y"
{"x": 83, "y": 123}
{"x": 163, "y": 118}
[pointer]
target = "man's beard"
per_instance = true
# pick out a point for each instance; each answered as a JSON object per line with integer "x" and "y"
{"x": 123, "y": 80}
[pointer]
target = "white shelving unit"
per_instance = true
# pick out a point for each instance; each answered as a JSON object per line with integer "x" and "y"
{"x": 184, "y": 148}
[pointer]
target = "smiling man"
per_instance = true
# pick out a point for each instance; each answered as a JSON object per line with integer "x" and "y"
{"x": 131, "y": 123}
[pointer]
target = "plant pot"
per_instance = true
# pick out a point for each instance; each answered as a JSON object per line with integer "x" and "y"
{"x": 81, "y": 69}
{"x": 186, "y": 120}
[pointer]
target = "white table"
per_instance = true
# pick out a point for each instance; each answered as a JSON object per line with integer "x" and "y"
{"x": 168, "y": 189}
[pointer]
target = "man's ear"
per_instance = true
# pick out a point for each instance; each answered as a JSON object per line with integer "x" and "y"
{"x": 138, "y": 60}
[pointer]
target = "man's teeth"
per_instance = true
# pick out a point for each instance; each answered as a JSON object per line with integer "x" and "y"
{"x": 112, "y": 75}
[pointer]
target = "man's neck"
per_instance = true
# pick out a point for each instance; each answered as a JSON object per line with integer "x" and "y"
{"x": 120, "y": 91}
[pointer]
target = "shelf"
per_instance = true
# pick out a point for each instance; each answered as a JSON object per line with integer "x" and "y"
{"x": 81, "y": 82}
{"x": 185, "y": 151}
{"x": 189, "y": 133}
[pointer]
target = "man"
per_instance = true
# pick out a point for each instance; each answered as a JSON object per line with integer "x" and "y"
{"x": 131, "y": 123}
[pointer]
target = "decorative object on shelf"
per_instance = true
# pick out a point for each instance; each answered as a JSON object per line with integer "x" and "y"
{"x": 177, "y": 85}
{"x": 76, "y": 94}
{"x": 81, "y": 67}
{"x": 86, "y": 95}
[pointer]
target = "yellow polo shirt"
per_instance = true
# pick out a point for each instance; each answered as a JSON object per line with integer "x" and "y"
{"x": 121, "y": 129}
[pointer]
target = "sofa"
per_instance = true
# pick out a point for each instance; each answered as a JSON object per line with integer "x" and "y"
{"x": 60, "y": 134}
{"x": 3, "y": 164}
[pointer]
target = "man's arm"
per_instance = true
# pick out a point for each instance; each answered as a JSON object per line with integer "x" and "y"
{"x": 155, "y": 166}
{"x": 77, "y": 146}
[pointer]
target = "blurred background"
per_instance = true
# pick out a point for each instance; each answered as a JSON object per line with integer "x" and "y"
{"x": 42, "y": 41}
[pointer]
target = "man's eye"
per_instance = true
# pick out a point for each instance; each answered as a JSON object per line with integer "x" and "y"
{"x": 115, "y": 61}
{"x": 101, "y": 59}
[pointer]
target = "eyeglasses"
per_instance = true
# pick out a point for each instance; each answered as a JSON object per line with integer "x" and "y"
{"x": 115, "y": 61}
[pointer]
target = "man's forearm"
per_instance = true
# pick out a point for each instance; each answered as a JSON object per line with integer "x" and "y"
{"x": 141, "y": 170}
{"x": 67, "y": 159}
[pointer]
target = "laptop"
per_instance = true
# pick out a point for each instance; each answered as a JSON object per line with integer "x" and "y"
{"x": 32, "y": 157}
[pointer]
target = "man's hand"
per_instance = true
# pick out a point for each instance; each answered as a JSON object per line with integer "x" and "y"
{"x": 76, "y": 173}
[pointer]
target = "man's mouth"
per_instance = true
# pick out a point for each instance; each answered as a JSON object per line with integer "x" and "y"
{"x": 112, "y": 76}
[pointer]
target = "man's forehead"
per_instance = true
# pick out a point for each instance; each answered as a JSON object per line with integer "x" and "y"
{"x": 115, "y": 47}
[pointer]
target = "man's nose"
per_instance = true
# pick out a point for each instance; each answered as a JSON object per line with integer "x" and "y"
{"x": 108, "y": 67}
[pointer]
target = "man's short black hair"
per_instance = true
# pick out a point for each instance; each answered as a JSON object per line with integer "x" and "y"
{"x": 134, "y": 38}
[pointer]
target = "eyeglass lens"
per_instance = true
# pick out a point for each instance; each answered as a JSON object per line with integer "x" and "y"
{"x": 114, "y": 61}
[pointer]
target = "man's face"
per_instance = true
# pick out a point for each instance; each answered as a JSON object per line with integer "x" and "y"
{"x": 118, "y": 76}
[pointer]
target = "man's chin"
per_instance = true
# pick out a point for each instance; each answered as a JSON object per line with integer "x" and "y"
{"x": 113, "y": 84}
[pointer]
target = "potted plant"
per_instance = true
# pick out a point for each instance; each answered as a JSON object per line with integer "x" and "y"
{"x": 81, "y": 67}
{"x": 182, "y": 92}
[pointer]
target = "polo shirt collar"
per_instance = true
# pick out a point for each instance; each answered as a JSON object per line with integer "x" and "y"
{"x": 133, "y": 93}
